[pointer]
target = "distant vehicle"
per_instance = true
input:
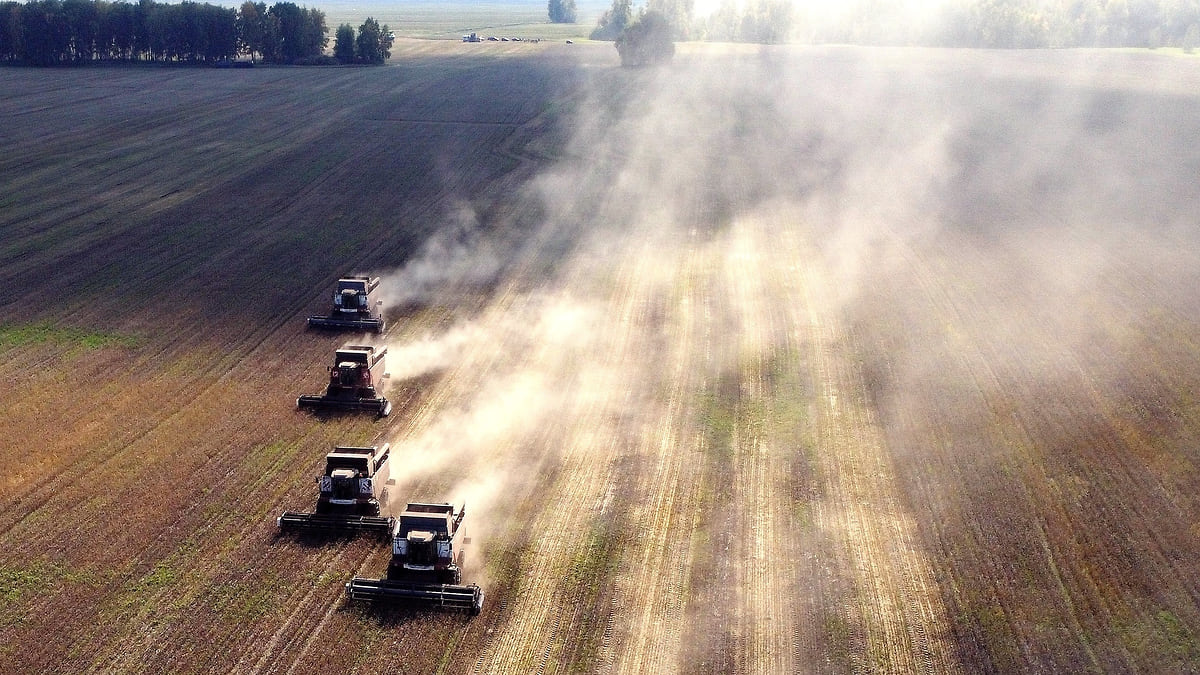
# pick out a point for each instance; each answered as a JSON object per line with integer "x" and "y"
{"x": 493, "y": 38}
{"x": 471, "y": 38}
{"x": 570, "y": 42}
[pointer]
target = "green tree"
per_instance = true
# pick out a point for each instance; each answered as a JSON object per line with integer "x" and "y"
{"x": 766, "y": 22}
{"x": 1179, "y": 17}
{"x": 313, "y": 39}
{"x": 251, "y": 30}
{"x": 272, "y": 38}
{"x": 647, "y": 41}
{"x": 562, "y": 11}
{"x": 290, "y": 36}
{"x": 220, "y": 25}
{"x": 45, "y": 33}
{"x": 374, "y": 43}
{"x": 343, "y": 43}
{"x": 614, "y": 21}
{"x": 1191, "y": 39}
{"x": 678, "y": 14}
{"x": 141, "y": 27}
{"x": 83, "y": 27}
{"x": 10, "y": 31}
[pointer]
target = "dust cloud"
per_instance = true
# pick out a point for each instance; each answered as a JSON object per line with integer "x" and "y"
{"x": 456, "y": 258}
{"x": 950, "y": 199}
{"x": 521, "y": 354}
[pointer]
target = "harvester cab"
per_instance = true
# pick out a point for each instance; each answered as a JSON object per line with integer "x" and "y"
{"x": 350, "y": 494}
{"x": 354, "y": 308}
{"x": 425, "y": 569}
{"x": 424, "y": 543}
{"x": 352, "y": 382}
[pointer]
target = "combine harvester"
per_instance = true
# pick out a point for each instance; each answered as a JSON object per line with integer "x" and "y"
{"x": 351, "y": 382}
{"x": 427, "y": 550}
{"x": 351, "y": 491}
{"x": 353, "y": 308}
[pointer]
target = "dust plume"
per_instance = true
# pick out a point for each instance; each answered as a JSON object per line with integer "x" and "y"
{"x": 457, "y": 258}
{"x": 965, "y": 232}
{"x": 513, "y": 395}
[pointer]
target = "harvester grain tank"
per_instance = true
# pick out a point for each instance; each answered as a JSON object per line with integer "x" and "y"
{"x": 349, "y": 496}
{"x": 354, "y": 307}
{"x": 425, "y": 569}
{"x": 352, "y": 382}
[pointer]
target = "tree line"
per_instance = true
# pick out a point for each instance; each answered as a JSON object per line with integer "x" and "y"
{"x": 1068, "y": 23}
{"x": 57, "y": 32}
{"x": 956, "y": 23}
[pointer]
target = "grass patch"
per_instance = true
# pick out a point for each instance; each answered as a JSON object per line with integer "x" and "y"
{"x": 40, "y": 578}
{"x": 162, "y": 575}
{"x": 250, "y": 600}
{"x": 591, "y": 569}
{"x": 1162, "y": 638}
{"x": 44, "y": 332}
{"x": 986, "y": 625}
{"x": 17, "y": 582}
{"x": 594, "y": 562}
{"x": 719, "y": 409}
{"x": 838, "y": 637}
{"x": 167, "y": 573}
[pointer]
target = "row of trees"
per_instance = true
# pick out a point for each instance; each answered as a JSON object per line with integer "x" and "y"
{"x": 761, "y": 21}
{"x": 1069, "y": 23}
{"x": 283, "y": 33}
{"x": 373, "y": 43}
{"x": 46, "y": 32}
{"x": 956, "y": 23}
{"x": 52, "y": 32}
{"x": 734, "y": 21}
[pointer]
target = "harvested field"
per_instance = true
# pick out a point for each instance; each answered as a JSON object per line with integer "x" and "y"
{"x": 774, "y": 360}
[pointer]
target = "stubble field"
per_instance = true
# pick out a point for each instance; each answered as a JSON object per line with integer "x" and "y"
{"x": 774, "y": 360}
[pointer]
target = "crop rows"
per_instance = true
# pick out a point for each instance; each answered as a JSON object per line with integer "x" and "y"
{"x": 800, "y": 360}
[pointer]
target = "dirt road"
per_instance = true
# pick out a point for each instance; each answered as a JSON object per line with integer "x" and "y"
{"x": 776, "y": 360}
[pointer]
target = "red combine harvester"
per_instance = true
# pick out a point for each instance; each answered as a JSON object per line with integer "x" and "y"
{"x": 427, "y": 551}
{"x": 352, "y": 382}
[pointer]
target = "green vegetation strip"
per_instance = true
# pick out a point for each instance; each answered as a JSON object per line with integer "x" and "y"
{"x": 39, "y": 577}
{"x": 20, "y": 335}
{"x": 590, "y": 576}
